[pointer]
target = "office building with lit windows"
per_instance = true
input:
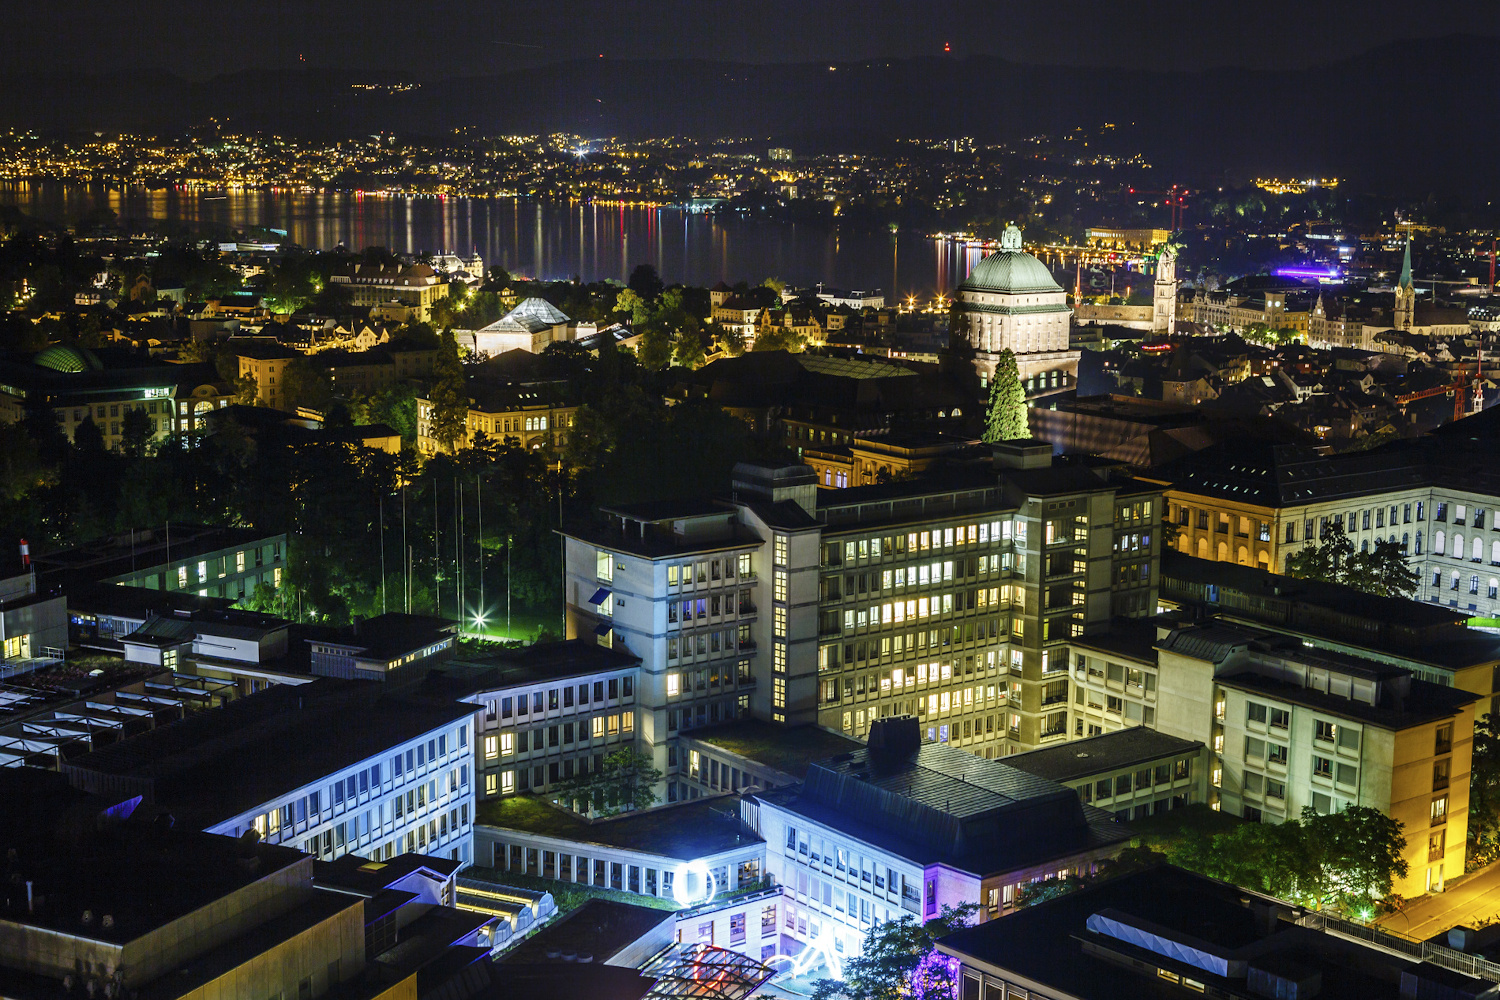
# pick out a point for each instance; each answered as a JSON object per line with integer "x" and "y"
{"x": 1290, "y": 727}
{"x": 951, "y": 598}
{"x": 206, "y": 560}
{"x": 332, "y": 767}
{"x": 545, "y": 713}
{"x": 1166, "y": 932}
{"x": 903, "y": 827}
{"x": 106, "y": 387}
{"x": 1258, "y": 504}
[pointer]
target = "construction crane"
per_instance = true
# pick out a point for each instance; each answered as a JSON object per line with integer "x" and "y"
{"x": 1175, "y": 199}
{"x": 1458, "y": 388}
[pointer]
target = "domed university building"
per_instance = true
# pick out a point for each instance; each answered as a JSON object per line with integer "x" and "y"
{"x": 1010, "y": 300}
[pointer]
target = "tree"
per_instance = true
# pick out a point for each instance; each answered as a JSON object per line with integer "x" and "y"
{"x": 293, "y": 284}
{"x": 1007, "y": 419}
{"x": 87, "y": 437}
{"x": 633, "y": 306}
{"x": 1356, "y": 854}
{"x": 656, "y": 347}
{"x": 899, "y": 961}
{"x": 626, "y": 781}
{"x": 1347, "y": 860}
{"x": 1484, "y": 792}
{"x": 730, "y": 338}
{"x": 776, "y": 285}
{"x": 646, "y": 283}
{"x": 395, "y": 406}
{"x": 1326, "y": 559}
{"x": 305, "y": 384}
{"x": 688, "y": 350}
{"x": 136, "y": 431}
{"x": 450, "y": 394}
{"x": 246, "y": 389}
{"x": 1381, "y": 570}
{"x": 778, "y": 338}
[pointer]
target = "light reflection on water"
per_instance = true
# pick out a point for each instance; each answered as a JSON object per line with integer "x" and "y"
{"x": 544, "y": 239}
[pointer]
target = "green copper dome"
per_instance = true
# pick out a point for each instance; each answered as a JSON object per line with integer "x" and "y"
{"x": 62, "y": 358}
{"x": 1010, "y": 270}
{"x": 1013, "y": 272}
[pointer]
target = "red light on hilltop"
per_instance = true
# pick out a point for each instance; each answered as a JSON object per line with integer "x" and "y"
{"x": 947, "y": 47}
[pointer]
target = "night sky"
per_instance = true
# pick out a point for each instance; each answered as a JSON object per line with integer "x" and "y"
{"x": 440, "y": 38}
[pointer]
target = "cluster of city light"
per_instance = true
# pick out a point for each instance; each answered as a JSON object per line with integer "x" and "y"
{"x": 1276, "y": 185}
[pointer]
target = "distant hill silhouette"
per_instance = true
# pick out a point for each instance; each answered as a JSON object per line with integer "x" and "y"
{"x": 1410, "y": 119}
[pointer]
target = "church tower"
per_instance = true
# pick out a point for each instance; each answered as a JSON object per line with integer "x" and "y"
{"x": 1403, "y": 316}
{"x": 1164, "y": 292}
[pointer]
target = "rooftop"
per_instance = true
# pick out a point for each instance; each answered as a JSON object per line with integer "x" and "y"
{"x": 88, "y": 854}
{"x": 1109, "y": 940}
{"x": 273, "y": 742}
{"x": 1423, "y": 703}
{"x": 533, "y": 664}
{"x": 936, "y": 803}
{"x": 1098, "y": 754}
{"x": 1132, "y": 638}
{"x": 106, "y": 559}
{"x": 389, "y": 635}
{"x": 687, "y": 831}
{"x": 788, "y": 750}
{"x": 601, "y": 928}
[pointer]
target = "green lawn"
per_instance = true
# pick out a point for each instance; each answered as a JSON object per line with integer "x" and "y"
{"x": 787, "y": 750}
{"x": 1165, "y": 829}
{"x": 685, "y": 831}
{"x": 525, "y": 624}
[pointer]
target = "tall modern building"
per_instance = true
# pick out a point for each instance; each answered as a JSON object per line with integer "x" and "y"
{"x": 951, "y": 599}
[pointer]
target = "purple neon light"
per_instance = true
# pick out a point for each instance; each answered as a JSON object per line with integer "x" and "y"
{"x": 1306, "y": 272}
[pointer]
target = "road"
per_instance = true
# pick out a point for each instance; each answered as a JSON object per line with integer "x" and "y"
{"x": 1472, "y": 901}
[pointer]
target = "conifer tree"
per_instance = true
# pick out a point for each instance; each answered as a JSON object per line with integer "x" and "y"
{"x": 450, "y": 394}
{"x": 1006, "y": 420}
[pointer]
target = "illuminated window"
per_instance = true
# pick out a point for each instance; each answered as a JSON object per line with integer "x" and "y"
{"x": 491, "y": 747}
{"x": 239, "y": 562}
{"x": 778, "y": 693}
{"x": 202, "y": 571}
{"x": 744, "y": 567}
{"x": 674, "y": 685}
{"x": 605, "y": 566}
{"x": 779, "y": 551}
{"x": 507, "y": 782}
{"x": 778, "y": 621}
{"x": 181, "y": 576}
{"x": 779, "y": 586}
{"x": 778, "y": 657}
{"x": 491, "y": 782}
{"x": 276, "y": 576}
{"x": 596, "y": 726}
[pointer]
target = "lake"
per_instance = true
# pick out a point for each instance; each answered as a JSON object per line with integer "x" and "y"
{"x": 550, "y": 240}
